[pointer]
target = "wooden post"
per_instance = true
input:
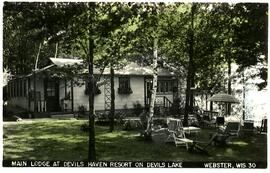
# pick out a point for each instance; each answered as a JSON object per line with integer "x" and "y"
{"x": 72, "y": 96}
{"x": 35, "y": 99}
{"x": 206, "y": 104}
{"x": 244, "y": 96}
{"x": 28, "y": 95}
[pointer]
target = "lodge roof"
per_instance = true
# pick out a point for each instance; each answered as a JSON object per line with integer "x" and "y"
{"x": 130, "y": 68}
{"x": 133, "y": 68}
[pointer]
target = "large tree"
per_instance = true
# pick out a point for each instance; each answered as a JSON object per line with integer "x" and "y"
{"x": 250, "y": 37}
{"x": 82, "y": 27}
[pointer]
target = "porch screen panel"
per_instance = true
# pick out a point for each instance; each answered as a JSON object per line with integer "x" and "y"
{"x": 12, "y": 89}
{"x": 17, "y": 88}
{"x": 24, "y": 88}
{"x": 20, "y": 88}
{"x": 51, "y": 89}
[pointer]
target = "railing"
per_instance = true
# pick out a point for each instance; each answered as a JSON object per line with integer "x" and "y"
{"x": 163, "y": 101}
{"x": 40, "y": 105}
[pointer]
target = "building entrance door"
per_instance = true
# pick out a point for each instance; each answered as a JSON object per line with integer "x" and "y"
{"x": 52, "y": 95}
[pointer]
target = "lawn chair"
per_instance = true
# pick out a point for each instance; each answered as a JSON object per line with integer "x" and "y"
{"x": 208, "y": 118}
{"x": 173, "y": 127}
{"x": 220, "y": 121}
{"x": 263, "y": 128}
{"x": 232, "y": 129}
{"x": 248, "y": 127}
{"x": 177, "y": 135}
{"x": 224, "y": 134}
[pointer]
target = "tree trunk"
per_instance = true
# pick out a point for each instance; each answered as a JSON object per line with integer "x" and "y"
{"x": 90, "y": 55}
{"x": 192, "y": 85}
{"x": 91, "y": 144}
{"x": 185, "y": 122}
{"x": 34, "y": 75}
{"x": 191, "y": 70}
{"x": 244, "y": 95}
{"x": 154, "y": 90}
{"x": 229, "y": 84}
{"x": 91, "y": 149}
{"x": 112, "y": 112}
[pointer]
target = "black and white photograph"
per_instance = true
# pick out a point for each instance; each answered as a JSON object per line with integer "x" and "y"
{"x": 135, "y": 84}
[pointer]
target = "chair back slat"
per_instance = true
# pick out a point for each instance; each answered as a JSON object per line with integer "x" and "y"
{"x": 264, "y": 125}
{"x": 232, "y": 127}
{"x": 220, "y": 121}
{"x": 174, "y": 124}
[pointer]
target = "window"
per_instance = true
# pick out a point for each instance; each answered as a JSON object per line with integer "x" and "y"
{"x": 86, "y": 91}
{"x": 164, "y": 86}
{"x": 124, "y": 85}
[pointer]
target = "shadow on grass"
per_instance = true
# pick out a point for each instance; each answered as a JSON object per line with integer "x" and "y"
{"x": 63, "y": 140}
{"x": 53, "y": 140}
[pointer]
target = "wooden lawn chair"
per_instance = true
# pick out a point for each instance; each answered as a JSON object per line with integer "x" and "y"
{"x": 263, "y": 128}
{"x": 177, "y": 134}
{"x": 248, "y": 127}
{"x": 223, "y": 135}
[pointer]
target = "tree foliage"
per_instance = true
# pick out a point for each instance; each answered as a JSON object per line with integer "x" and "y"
{"x": 199, "y": 40}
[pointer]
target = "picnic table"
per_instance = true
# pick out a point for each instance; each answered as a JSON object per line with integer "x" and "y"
{"x": 191, "y": 129}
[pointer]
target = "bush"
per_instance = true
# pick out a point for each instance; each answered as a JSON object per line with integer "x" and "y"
{"x": 143, "y": 118}
{"x": 120, "y": 116}
{"x": 137, "y": 108}
{"x": 102, "y": 118}
{"x": 160, "y": 122}
{"x": 84, "y": 127}
{"x": 103, "y": 122}
{"x": 81, "y": 111}
{"x": 132, "y": 125}
{"x": 175, "y": 109}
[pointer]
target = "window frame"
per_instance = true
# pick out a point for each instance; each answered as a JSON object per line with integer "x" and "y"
{"x": 124, "y": 86}
{"x": 164, "y": 86}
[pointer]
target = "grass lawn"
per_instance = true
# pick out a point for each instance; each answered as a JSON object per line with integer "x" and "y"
{"x": 63, "y": 140}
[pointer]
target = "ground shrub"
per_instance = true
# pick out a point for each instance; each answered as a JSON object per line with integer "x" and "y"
{"x": 137, "y": 108}
{"x": 132, "y": 125}
{"x": 84, "y": 127}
